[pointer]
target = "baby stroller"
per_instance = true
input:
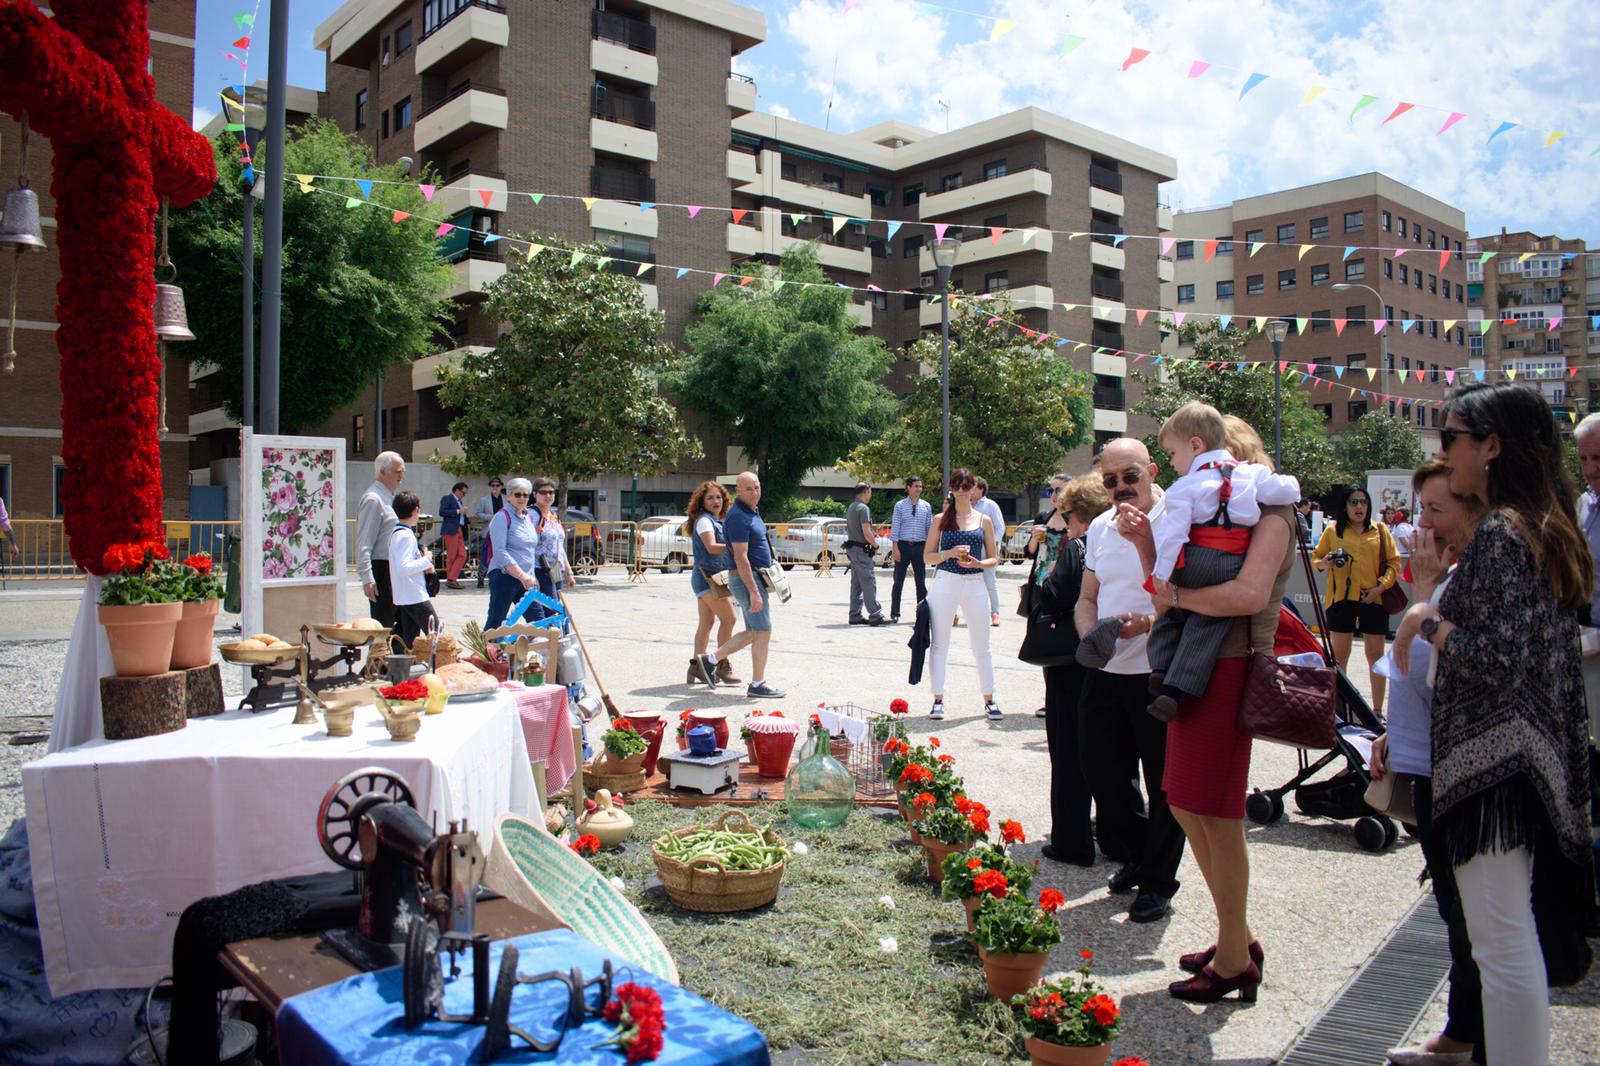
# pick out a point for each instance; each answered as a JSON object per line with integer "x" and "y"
{"x": 1341, "y": 796}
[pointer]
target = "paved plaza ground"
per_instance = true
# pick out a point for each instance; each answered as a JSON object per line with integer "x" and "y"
{"x": 1319, "y": 904}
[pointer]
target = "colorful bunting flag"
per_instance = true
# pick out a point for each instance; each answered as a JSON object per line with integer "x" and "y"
{"x": 939, "y": 229}
{"x": 352, "y": 202}
{"x": 1198, "y": 67}
{"x": 1135, "y": 56}
{"x": 643, "y": 267}
{"x": 1455, "y": 116}
{"x": 995, "y": 233}
{"x": 738, "y": 214}
{"x": 1405, "y": 324}
{"x": 1001, "y": 28}
{"x": 716, "y": 279}
{"x": 536, "y": 197}
{"x": 1223, "y": 320}
{"x": 1211, "y": 249}
{"x": 1400, "y": 109}
{"x": 589, "y": 202}
{"x": 894, "y": 227}
{"x": 1502, "y": 128}
{"x": 365, "y": 186}
{"x": 1139, "y": 315}
{"x": 1553, "y": 138}
{"x": 1256, "y": 246}
{"x": 681, "y": 272}
{"x": 427, "y": 192}
{"x": 444, "y": 227}
{"x": 535, "y": 249}
{"x": 643, "y": 207}
{"x": 1070, "y": 45}
{"x": 1338, "y": 326}
{"x": 1349, "y": 251}
{"x": 1251, "y": 82}
{"x": 1364, "y": 103}
{"x": 1312, "y": 93}
{"x": 1300, "y": 324}
{"x": 1304, "y": 248}
{"x": 400, "y": 216}
{"x": 1378, "y": 324}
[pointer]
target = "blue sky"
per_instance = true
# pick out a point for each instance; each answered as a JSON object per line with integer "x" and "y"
{"x": 1527, "y": 64}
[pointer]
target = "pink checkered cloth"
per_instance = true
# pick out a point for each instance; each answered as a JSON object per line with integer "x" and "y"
{"x": 545, "y": 725}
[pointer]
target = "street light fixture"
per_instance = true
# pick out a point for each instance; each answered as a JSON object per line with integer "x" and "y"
{"x": 944, "y": 257}
{"x": 1277, "y": 330}
{"x": 1383, "y": 351}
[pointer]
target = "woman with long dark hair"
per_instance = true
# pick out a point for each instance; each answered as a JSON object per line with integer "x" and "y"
{"x": 962, "y": 551}
{"x": 1509, "y": 735}
{"x": 703, "y": 527}
{"x": 1361, "y": 562}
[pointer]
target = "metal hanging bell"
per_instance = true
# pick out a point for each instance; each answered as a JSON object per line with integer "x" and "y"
{"x": 20, "y": 229}
{"x": 172, "y": 323}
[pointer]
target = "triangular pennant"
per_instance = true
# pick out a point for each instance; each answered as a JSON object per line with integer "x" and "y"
{"x": 1139, "y": 315}
{"x": 1178, "y": 318}
{"x": 365, "y": 185}
{"x": 577, "y": 257}
{"x": 589, "y": 202}
{"x": 995, "y": 233}
{"x": 536, "y": 197}
{"x": 1311, "y": 94}
{"x": 738, "y": 214}
{"x": 400, "y": 216}
{"x": 1378, "y": 324}
{"x": 1211, "y": 249}
{"x": 1116, "y": 242}
{"x": 1399, "y": 109}
{"x": 1028, "y": 235}
{"x": 1135, "y": 55}
{"x": 1420, "y": 373}
{"x": 642, "y": 206}
{"x": 1405, "y": 324}
{"x": 939, "y": 229}
{"x": 243, "y": 42}
{"x": 1455, "y": 116}
{"x": 1349, "y": 251}
{"x": 643, "y": 268}
{"x": 427, "y": 192}
{"x": 1449, "y": 324}
{"x": 681, "y": 272}
{"x": 778, "y": 284}
{"x": 1001, "y": 28}
{"x": 305, "y": 179}
{"x": 716, "y": 279}
{"x": 1553, "y": 138}
{"x": 797, "y": 217}
{"x": 1398, "y": 252}
{"x": 1223, "y": 321}
{"x": 1449, "y": 376}
{"x": 1511, "y": 373}
{"x": 745, "y": 281}
{"x": 1198, "y": 67}
{"x": 1486, "y": 256}
{"x": 1553, "y": 323}
{"x": 490, "y": 238}
{"x": 1256, "y": 246}
{"x": 444, "y": 227}
{"x": 1478, "y": 374}
{"x": 1338, "y": 326}
{"x": 1304, "y": 248}
{"x": 1372, "y": 372}
{"x": 1498, "y": 130}
{"x": 1167, "y": 243}
{"x": 1338, "y": 372}
{"x": 1300, "y": 324}
{"x": 894, "y": 227}
{"x": 1361, "y": 105}
{"x": 486, "y": 195}
{"x": 1444, "y": 260}
{"x": 1251, "y": 82}
{"x": 534, "y": 249}
{"x": 1261, "y": 322}
{"x": 353, "y": 201}
{"x": 1071, "y": 43}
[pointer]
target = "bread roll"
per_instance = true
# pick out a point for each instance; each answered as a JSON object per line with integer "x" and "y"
{"x": 265, "y": 638}
{"x": 251, "y": 644}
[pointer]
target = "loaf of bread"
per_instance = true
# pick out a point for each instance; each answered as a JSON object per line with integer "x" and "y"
{"x": 251, "y": 644}
{"x": 462, "y": 679}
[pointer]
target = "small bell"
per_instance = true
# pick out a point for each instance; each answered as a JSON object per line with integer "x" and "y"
{"x": 172, "y": 323}
{"x": 20, "y": 229}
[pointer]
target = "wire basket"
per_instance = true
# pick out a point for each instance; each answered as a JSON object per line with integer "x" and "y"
{"x": 864, "y": 758}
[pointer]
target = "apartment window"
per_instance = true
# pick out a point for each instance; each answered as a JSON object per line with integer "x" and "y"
{"x": 995, "y": 222}
{"x": 1444, "y": 285}
{"x": 1431, "y": 239}
{"x": 1405, "y": 362}
{"x": 1474, "y": 271}
{"x": 619, "y": 245}
{"x": 1285, "y": 231}
{"x": 1552, "y": 345}
{"x": 1355, "y": 410}
{"x": 1285, "y": 280}
{"x": 1319, "y": 227}
{"x": 1433, "y": 329}
{"x": 386, "y": 51}
{"x": 879, "y": 247}
{"x": 1355, "y": 269}
{"x": 399, "y": 419}
{"x": 1255, "y": 284}
{"x": 1356, "y": 361}
{"x": 1185, "y": 249}
{"x": 402, "y": 39}
{"x": 1416, "y": 232}
{"x": 1388, "y": 269}
{"x": 788, "y": 171}
{"x": 1225, "y": 290}
{"x": 358, "y": 434}
{"x": 949, "y": 182}
{"x": 402, "y": 114}
{"x": 1325, "y": 410}
{"x": 1416, "y": 280}
{"x": 878, "y": 195}
{"x": 1433, "y": 373}
{"x": 910, "y": 194}
{"x": 1354, "y": 221}
{"x": 880, "y": 301}
{"x": 1322, "y": 367}
{"x": 1186, "y": 294}
{"x": 1386, "y": 221}
{"x": 386, "y": 124}
{"x": 1388, "y": 312}
{"x": 996, "y": 281}
{"x": 1252, "y": 236}
{"x": 911, "y": 246}
{"x": 1475, "y": 346}
{"x": 1319, "y": 322}
{"x": 1320, "y": 274}
{"x": 1356, "y": 314}
{"x": 361, "y": 109}
{"x": 832, "y": 182}
{"x": 996, "y": 169}
{"x": 58, "y": 482}
{"x": 1224, "y": 246}
{"x": 1433, "y": 283}
{"x": 911, "y": 301}
{"x": 1405, "y": 274}
{"x": 1400, "y": 227}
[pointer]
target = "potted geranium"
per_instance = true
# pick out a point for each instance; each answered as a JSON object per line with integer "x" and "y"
{"x": 201, "y": 595}
{"x": 952, "y": 826}
{"x": 1068, "y": 1020}
{"x": 625, "y": 748}
{"x": 1014, "y": 936}
{"x": 962, "y": 870}
{"x": 139, "y": 608}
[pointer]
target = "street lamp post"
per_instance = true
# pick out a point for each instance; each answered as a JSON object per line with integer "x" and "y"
{"x": 944, "y": 257}
{"x": 1383, "y": 351}
{"x": 1277, "y": 329}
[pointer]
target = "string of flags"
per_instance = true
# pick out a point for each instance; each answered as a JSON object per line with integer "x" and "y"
{"x": 1294, "y": 371}
{"x": 1127, "y": 57}
{"x": 243, "y": 24}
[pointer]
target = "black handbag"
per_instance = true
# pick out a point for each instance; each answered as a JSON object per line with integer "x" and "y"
{"x": 1051, "y": 639}
{"x": 430, "y": 580}
{"x": 1025, "y": 595}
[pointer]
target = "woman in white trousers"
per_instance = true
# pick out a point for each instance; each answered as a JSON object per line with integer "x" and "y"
{"x": 961, "y": 553}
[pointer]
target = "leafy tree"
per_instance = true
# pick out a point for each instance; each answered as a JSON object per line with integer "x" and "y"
{"x": 1307, "y": 452}
{"x": 781, "y": 366}
{"x": 570, "y": 390}
{"x": 1016, "y": 407}
{"x": 1377, "y": 441}
{"x": 359, "y": 292}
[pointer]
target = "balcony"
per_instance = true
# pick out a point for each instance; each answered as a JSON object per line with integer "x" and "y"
{"x": 1105, "y": 178}
{"x": 1106, "y": 338}
{"x": 425, "y": 371}
{"x": 1108, "y": 311}
{"x": 465, "y": 34}
{"x": 625, "y": 218}
{"x": 1164, "y": 269}
{"x": 466, "y": 193}
{"x": 1105, "y": 233}
{"x": 616, "y": 61}
{"x": 1112, "y": 366}
{"x": 1107, "y": 202}
{"x": 862, "y": 314}
{"x": 1034, "y": 181}
{"x": 836, "y": 256}
{"x": 625, "y": 109}
{"x": 468, "y": 112}
{"x": 1032, "y": 297}
{"x": 1110, "y": 421}
{"x": 474, "y": 274}
{"x": 615, "y": 138}
{"x": 1104, "y": 255}
{"x": 1110, "y": 397}
{"x": 1110, "y": 288}
{"x": 1163, "y": 218}
{"x": 741, "y": 94}
{"x": 631, "y": 33}
{"x": 741, "y": 167}
{"x": 820, "y": 199}
{"x": 201, "y": 422}
{"x": 744, "y": 240}
{"x": 614, "y": 183}
{"x": 1013, "y": 242}
{"x": 652, "y": 296}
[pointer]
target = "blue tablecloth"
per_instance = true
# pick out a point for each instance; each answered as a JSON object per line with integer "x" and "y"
{"x": 361, "y": 1020}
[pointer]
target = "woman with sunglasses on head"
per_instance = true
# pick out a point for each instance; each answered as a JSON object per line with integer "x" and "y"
{"x": 553, "y": 572}
{"x": 1509, "y": 735}
{"x": 512, "y": 559}
{"x": 963, "y": 550}
{"x": 1361, "y": 561}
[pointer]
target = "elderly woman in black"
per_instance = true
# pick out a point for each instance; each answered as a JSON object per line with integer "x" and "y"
{"x": 1510, "y": 738}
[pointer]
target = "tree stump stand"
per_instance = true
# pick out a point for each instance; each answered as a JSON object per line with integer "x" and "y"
{"x": 132, "y": 707}
{"x": 202, "y": 691}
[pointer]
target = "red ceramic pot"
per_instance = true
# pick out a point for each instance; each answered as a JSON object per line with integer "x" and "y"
{"x": 772, "y": 753}
{"x": 651, "y": 726}
{"x": 717, "y": 720}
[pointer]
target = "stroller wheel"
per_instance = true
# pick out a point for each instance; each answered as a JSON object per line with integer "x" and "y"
{"x": 1370, "y": 833}
{"x": 1391, "y": 832}
{"x": 1263, "y": 808}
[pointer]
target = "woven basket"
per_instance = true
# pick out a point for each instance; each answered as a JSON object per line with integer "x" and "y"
{"x": 707, "y": 886}
{"x": 594, "y": 780}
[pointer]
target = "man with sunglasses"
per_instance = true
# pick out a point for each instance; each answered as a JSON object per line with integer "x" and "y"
{"x": 487, "y": 507}
{"x": 1120, "y": 738}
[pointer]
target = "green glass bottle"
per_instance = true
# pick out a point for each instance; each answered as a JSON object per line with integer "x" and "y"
{"x": 819, "y": 790}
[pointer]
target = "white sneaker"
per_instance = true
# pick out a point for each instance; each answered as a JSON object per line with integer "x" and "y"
{"x": 992, "y": 710}
{"x": 937, "y": 711}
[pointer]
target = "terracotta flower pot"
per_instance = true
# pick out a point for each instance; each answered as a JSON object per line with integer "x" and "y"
{"x": 652, "y": 727}
{"x": 191, "y": 646}
{"x": 1010, "y": 975}
{"x": 610, "y": 764}
{"x": 772, "y": 753}
{"x": 971, "y": 905}
{"x": 916, "y": 837}
{"x": 1044, "y": 1053}
{"x": 937, "y": 850}
{"x": 141, "y": 637}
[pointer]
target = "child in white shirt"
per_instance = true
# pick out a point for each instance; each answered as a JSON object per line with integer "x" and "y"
{"x": 407, "y": 564}
{"x": 1206, "y": 518}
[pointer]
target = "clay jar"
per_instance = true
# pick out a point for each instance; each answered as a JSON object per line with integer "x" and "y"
{"x": 717, "y": 720}
{"x": 191, "y": 645}
{"x": 141, "y": 636}
{"x": 651, "y": 726}
{"x": 772, "y": 742}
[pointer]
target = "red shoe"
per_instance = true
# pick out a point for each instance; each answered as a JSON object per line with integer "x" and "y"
{"x": 1196, "y": 961}
{"x": 1207, "y": 987}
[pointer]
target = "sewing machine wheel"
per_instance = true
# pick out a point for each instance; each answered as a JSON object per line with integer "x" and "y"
{"x": 424, "y": 974}
{"x": 352, "y": 796}
{"x": 497, "y": 1033}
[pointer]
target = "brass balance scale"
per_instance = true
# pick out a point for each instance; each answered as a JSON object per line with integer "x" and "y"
{"x": 278, "y": 673}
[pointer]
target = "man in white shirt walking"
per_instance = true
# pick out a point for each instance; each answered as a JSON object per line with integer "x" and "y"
{"x": 981, "y": 501}
{"x": 909, "y": 523}
{"x": 374, "y": 523}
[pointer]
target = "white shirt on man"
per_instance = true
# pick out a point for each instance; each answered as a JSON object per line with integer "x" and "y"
{"x": 1115, "y": 563}
{"x": 407, "y": 564}
{"x": 992, "y": 509}
{"x": 1196, "y": 496}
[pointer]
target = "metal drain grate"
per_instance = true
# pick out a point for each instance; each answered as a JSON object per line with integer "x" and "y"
{"x": 1378, "y": 1008}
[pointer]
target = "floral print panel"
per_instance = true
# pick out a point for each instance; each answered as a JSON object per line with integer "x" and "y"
{"x": 297, "y": 532}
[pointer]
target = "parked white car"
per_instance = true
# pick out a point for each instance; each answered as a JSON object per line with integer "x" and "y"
{"x": 1014, "y": 546}
{"x": 813, "y": 539}
{"x": 659, "y": 541}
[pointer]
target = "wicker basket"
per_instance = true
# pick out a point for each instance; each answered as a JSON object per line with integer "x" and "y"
{"x": 707, "y": 886}
{"x": 594, "y": 780}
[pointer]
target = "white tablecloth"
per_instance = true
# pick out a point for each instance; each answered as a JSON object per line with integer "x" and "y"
{"x": 124, "y": 834}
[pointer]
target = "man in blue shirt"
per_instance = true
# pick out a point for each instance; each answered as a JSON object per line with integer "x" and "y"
{"x": 453, "y": 529}
{"x": 909, "y": 523}
{"x": 746, "y": 536}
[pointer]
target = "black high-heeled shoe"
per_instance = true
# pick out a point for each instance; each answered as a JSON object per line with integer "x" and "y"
{"x": 1196, "y": 961}
{"x": 1207, "y": 987}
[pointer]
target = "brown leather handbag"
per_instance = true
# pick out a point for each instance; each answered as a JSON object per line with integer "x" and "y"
{"x": 1289, "y": 704}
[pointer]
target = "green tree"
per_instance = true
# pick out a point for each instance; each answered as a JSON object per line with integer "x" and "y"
{"x": 1016, "y": 408}
{"x": 1307, "y": 452}
{"x": 781, "y": 367}
{"x": 360, "y": 293}
{"x": 571, "y": 389}
{"x": 1377, "y": 441}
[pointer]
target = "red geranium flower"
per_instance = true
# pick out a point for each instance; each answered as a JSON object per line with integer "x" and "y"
{"x": 898, "y": 706}
{"x": 1131, "y": 1060}
{"x": 962, "y": 804}
{"x": 980, "y": 822}
{"x": 923, "y": 801}
{"x": 200, "y": 564}
{"x": 992, "y": 882}
{"x": 1103, "y": 1008}
{"x": 1086, "y": 954}
{"x": 1011, "y": 832}
{"x": 586, "y": 845}
{"x": 946, "y": 760}
{"x": 934, "y": 741}
{"x": 623, "y": 724}
{"x": 973, "y": 864}
{"x": 1051, "y": 901}
{"x": 916, "y": 775}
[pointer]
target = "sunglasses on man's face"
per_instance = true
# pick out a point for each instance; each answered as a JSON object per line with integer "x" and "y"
{"x": 1130, "y": 478}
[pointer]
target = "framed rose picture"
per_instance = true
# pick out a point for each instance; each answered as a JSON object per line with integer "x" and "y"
{"x": 292, "y": 515}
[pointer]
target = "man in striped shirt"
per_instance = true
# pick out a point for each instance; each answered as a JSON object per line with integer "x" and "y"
{"x": 909, "y": 525}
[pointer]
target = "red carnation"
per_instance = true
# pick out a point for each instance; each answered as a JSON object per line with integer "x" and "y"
{"x": 1051, "y": 901}
{"x": 200, "y": 564}
{"x": 992, "y": 882}
{"x": 638, "y": 1011}
{"x": 1011, "y": 832}
{"x": 898, "y": 706}
{"x": 586, "y": 845}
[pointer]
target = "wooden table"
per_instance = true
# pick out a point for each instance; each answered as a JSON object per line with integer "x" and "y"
{"x": 272, "y": 969}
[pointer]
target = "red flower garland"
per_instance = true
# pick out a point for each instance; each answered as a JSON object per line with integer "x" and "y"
{"x": 638, "y": 1011}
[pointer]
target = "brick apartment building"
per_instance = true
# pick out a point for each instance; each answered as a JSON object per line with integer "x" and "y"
{"x": 1532, "y": 282}
{"x": 31, "y": 470}
{"x": 1378, "y": 217}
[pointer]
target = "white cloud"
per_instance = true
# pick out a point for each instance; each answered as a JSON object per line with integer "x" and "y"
{"x": 202, "y": 115}
{"x": 780, "y": 111}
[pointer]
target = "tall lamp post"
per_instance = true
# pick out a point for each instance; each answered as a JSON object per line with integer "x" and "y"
{"x": 1383, "y": 357}
{"x": 944, "y": 257}
{"x": 254, "y": 119}
{"x": 1277, "y": 329}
